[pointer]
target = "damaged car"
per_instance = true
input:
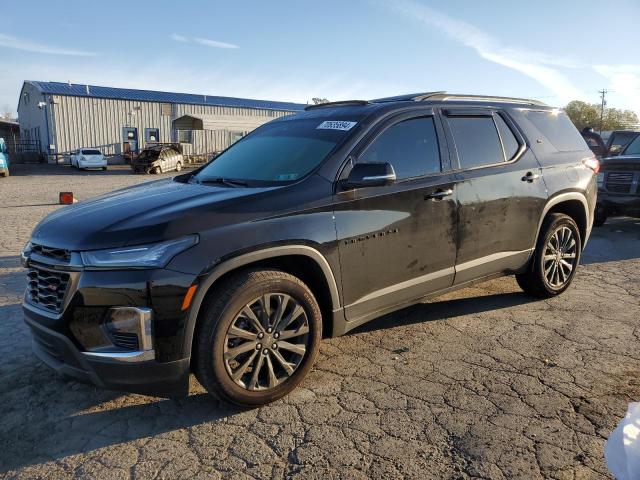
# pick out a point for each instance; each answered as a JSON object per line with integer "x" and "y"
{"x": 159, "y": 158}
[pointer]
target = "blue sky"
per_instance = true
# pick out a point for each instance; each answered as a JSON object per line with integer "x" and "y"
{"x": 295, "y": 50}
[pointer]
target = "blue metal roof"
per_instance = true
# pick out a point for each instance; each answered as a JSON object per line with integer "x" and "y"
{"x": 93, "y": 91}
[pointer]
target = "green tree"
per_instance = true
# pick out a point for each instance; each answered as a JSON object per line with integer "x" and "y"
{"x": 589, "y": 115}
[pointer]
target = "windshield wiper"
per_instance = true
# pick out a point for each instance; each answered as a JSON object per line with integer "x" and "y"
{"x": 230, "y": 182}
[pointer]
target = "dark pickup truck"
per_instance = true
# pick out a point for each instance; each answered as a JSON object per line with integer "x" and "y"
{"x": 619, "y": 184}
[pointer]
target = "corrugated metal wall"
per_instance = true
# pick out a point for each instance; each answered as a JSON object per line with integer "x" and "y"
{"x": 96, "y": 122}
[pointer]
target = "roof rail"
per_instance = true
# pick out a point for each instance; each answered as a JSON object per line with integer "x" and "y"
{"x": 339, "y": 103}
{"x": 415, "y": 97}
{"x": 484, "y": 98}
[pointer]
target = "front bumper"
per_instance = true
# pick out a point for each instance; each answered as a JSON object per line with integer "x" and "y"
{"x": 617, "y": 204}
{"x": 168, "y": 379}
{"x": 162, "y": 370}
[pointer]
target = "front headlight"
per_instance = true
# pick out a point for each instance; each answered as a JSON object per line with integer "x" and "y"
{"x": 155, "y": 255}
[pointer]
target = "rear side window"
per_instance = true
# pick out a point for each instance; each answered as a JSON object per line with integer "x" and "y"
{"x": 476, "y": 140}
{"x": 634, "y": 147}
{"x": 558, "y": 129}
{"x": 509, "y": 141}
{"x": 411, "y": 146}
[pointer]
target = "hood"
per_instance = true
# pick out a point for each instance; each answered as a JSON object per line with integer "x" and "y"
{"x": 145, "y": 213}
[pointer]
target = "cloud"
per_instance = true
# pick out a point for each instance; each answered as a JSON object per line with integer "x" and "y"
{"x": 9, "y": 41}
{"x": 202, "y": 41}
{"x": 533, "y": 64}
{"x": 179, "y": 38}
{"x": 214, "y": 43}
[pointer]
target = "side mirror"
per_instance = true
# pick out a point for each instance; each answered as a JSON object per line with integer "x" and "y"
{"x": 371, "y": 175}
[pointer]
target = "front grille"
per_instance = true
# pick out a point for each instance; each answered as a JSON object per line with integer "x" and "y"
{"x": 619, "y": 182}
{"x": 49, "y": 252}
{"x": 126, "y": 340}
{"x": 46, "y": 288}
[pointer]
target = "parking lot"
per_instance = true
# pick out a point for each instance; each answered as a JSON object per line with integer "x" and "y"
{"x": 481, "y": 383}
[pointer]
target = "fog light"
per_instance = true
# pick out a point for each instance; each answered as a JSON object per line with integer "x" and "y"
{"x": 130, "y": 328}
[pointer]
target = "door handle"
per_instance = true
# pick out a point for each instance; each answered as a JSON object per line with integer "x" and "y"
{"x": 438, "y": 194}
{"x": 530, "y": 177}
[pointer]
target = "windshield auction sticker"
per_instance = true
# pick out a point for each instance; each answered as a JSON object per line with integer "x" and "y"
{"x": 336, "y": 125}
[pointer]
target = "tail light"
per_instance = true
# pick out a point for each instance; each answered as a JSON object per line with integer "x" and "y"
{"x": 592, "y": 163}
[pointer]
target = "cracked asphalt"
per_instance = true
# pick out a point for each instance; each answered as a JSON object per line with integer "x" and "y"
{"x": 482, "y": 383}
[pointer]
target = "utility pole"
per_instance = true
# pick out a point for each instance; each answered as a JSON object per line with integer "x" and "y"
{"x": 602, "y": 93}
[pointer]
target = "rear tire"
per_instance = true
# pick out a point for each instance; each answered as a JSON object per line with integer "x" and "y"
{"x": 253, "y": 355}
{"x": 555, "y": 259}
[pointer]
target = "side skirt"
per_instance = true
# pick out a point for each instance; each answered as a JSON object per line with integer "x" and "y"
{"x": 340, "y": 326}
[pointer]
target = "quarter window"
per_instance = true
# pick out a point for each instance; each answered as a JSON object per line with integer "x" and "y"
{"x": 476, "y": 140}
{"x": 411, "y": 146}
{"x": 509, "y": 141}
{"x": 558, "y": 129}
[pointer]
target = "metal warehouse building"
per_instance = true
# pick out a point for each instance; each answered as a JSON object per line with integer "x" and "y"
{"x": 61, "y": 117}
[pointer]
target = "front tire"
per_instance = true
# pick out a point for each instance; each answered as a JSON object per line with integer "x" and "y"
{"x": 258, "y": 337}
{"x": 555, "y": 259}
{"x": 178, "y": 167}
{"x": 599, "y": 217}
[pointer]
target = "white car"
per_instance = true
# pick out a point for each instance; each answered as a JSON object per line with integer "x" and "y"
{"x": 88, "y": 158}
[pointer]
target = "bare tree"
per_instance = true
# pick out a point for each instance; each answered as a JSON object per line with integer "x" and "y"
{"x": 6, "y": 112}
{"x": 318, "y": 101}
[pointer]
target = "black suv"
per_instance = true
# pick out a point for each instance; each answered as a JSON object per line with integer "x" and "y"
{"x": 313, "y": 224}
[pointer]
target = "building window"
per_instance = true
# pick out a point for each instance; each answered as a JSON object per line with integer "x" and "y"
{"x": 184, "y": 136}
{"x": 235, "y": 136}
{"x": 165, "y": 109}
{"x": 152, "y": 135}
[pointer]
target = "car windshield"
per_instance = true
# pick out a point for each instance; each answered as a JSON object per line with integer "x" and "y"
{"x": 149, "y": 154}
{"x": 279, "y": 152}
{"x": 91, "y": 152}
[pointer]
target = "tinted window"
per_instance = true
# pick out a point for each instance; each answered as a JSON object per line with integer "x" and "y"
{"x": 91, "y": 152}
{"x": 410, "y": 146}
{"x": 509, "y": 141}
{"x": 477, "y": 141}
{"x": 281, "y": 151}
{"x": 634, "y": 147}
{"x": 558, "y": 129}
{"x": 619, "y": 139}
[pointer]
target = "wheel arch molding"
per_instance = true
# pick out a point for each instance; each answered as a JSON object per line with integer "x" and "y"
{"x": 246, "y": 260}
{"x": 569, "y": 203}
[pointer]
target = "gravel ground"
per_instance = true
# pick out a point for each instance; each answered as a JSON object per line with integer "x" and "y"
{"x": 482, "y": 383}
